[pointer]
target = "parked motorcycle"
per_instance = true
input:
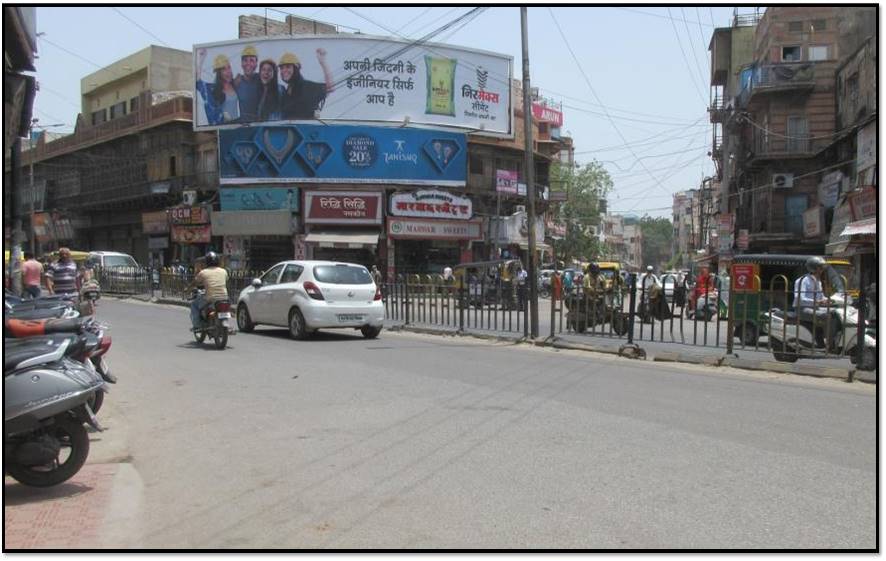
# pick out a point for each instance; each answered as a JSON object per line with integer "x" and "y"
{"x": 791, "y": 340}
{"x": 215, "y": 322}
{"x": 45, "y": 405}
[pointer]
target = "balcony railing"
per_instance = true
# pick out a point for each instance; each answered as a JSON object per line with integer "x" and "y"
{"x": 798, "y": 146}
{"x": 772, "y": 78}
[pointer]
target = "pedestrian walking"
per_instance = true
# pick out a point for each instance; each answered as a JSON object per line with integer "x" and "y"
{"x": 32, "y": 274}
{"x": 62, "y": 276}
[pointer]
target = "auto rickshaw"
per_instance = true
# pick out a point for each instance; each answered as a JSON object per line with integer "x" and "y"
{"x": 769, "y": 290}
{"x": 489, "y": 283}
{"x": 582, "y": 312}
{"x": 78, "y": 257}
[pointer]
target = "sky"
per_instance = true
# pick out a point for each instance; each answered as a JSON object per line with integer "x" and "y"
{"x": 633, "y": 80}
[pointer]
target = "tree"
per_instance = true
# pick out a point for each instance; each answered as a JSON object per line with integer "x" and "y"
{"x": 657, "y": 236}
{"x": 585, "y": 188}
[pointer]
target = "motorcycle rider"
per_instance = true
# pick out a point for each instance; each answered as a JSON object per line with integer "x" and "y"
{"x": 593, "y": 282}
{"x": 812, "y": 305}
{"x": 214, "y": 280}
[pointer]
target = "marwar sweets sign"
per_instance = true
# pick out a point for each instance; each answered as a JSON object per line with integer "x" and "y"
{"x": 350, "y": 78}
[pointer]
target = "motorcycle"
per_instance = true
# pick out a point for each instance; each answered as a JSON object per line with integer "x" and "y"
{"x": 45, "y": 405}
{"x": 791, "y": 339}
{"x": 215, "y": 322}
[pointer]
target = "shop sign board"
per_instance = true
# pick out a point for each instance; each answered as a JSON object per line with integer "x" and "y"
{"x": 376, "y": 79}
{"x": 253, "y": 223}
{"x": 812, "y": 227}
{"x": 431, "y": 204}
{"x": 829, "y": 189}
{"x": 191, "y": 233}
{"x": 744, "y": 277}
{"x": 726, "y": 223}
{"x": 863, "y": 202}
{"x": 258, "y": 198}
{"x": 743, "y": 239}
{"x": 158, "y": 243}
{"x": 343, "y": 207}
{"x": 156, "y": 222}
{"x": 506, "y": 181}
{"x": 189, "y": 215}
{"x": 411, "y": 228}
{"x": 342, "y": 154}
{"x": 867, "y": 147}
{"x": 542, "y": 112}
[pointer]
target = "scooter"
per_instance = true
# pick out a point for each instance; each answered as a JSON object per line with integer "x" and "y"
{"x": 45, "y": 405}
{"x": 215, "y": 322}
{"x": 790, "y": 341}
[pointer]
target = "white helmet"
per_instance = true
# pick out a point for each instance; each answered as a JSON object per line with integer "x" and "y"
{"x": 648, "y": 268}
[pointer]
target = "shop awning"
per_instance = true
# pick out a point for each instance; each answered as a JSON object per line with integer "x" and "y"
{"x": 868, "y": 226}
{"x": 351, "y": 240}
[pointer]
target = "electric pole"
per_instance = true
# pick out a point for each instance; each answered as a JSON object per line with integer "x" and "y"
{"x": 530, "y": 179}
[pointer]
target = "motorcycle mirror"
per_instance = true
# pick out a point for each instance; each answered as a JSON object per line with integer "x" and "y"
{"x": 256, "y": 283}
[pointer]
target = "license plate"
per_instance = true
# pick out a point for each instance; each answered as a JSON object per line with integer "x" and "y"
{"x": 224, "y": 315}
{"x": 350, "y": 317}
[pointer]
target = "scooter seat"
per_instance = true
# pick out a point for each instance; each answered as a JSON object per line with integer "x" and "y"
{"x": 17, "y": 351}
{"x": 37, "y": 313}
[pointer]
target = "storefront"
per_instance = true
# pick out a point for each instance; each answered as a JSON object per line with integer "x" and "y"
{"x": 155, "y": 226}
{"x": 255, "y": 239}
{"x": 433, "y": 229}
{"x": 190, "y": 232}
{"x": 343, "y": 226}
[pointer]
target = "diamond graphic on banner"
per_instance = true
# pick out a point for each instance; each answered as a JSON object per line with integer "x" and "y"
{"x": 441, "y": 151}
{"x": 277, "y": 143}
{"x": 314, "y": 154}
{"x": 244, "y": 153}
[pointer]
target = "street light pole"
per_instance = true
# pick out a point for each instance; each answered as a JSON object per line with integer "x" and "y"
{"x": 530, "y": 177}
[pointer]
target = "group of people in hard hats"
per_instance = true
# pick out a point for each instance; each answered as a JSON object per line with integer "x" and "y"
{"x": 263, "y": 91}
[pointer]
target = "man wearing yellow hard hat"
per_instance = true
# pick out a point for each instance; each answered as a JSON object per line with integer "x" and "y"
{"x": 302, "y": 98}
{"x": 220, "y": 99}
{"x": 248, "y": 85}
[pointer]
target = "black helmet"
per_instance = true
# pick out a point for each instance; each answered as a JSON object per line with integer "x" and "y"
{"x": 212, "y": 259}
{"x": 594, "y": 269}
{"x": 815, "y": 264}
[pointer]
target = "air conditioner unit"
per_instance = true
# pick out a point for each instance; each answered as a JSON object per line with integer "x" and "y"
{"x": 782, "y": 180}
{"x": 189, "y": 197}
{"x": 520, "y": 208}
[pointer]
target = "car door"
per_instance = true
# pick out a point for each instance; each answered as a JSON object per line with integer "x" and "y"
{"x": 259, "y": 301}
{"x": 284, "y": 291}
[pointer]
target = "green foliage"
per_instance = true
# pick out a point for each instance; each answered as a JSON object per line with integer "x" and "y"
{"x": 658, "y": 234}
{"x": 585, "y": 187}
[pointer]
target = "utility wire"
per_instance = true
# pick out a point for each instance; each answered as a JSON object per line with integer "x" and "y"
{"x": 649, "y": 13}
{"x": 690, "y": 43}
{"x": 686, "y": 59}
{"x": 73, "y": 54}
{"x": 138, "y": 25}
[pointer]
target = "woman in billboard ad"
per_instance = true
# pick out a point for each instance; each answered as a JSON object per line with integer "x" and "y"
{"x": 219, "y": 97}
{"x": 270, "y": 92}
{"x": 301, "y": 97}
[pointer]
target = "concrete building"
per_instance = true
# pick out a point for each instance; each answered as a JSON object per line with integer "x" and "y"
{"x": 684, "y": 217}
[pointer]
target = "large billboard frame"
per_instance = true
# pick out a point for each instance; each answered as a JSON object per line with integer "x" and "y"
{"x": 425, "y": 47}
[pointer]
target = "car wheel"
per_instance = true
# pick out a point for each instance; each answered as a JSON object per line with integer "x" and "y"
{"x": 244, "y": 321}
{"x": 781, "y": 353}
{"x": 297, "y": 327}
{"x": 370, "y": 332}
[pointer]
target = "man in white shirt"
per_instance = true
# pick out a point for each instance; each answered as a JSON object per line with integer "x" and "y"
{"x": 812, "y": 305}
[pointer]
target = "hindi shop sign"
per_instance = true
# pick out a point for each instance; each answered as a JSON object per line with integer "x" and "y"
{"x": 377, "y": 79}
{"x": 812, "y": 219}
{"x": 343, "y": 207}
{"x": 257, "y": 198}
{"x": 409, "y": 228}
{"x": 506, "y": 181}
{"x": 342, "y": 154}
{"x": 431, "y": 204}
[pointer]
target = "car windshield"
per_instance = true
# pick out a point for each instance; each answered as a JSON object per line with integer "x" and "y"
{"x": 120, "y": 261}
{"x": 342, "y": 274}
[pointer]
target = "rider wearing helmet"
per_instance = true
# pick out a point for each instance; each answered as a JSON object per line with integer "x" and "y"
{"x": 593, "y": 282}
{"x": 810, "y": 302}
{"x": 214, "y": 280}
{"x": 648, "y": 280}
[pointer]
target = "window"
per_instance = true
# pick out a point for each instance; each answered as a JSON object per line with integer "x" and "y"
{"x": 118, "y": 110}
{"x": 819, "y": 52}
{"x": 852, "y": 88}
{"x": 291, "y": 273}
{"x": 819, "y": 25}
{"x": 99, "y": 116}
{"x": 791, "y": 54}
{"x": 342, "y": 274}
{"x": 133, "y": 104}
{"x": 270, "y": 277}
{"x": 476, "y": 164}
{"x": 795, "y": 26}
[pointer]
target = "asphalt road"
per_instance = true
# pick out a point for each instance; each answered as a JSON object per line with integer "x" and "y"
{"x": 413, "y": 441}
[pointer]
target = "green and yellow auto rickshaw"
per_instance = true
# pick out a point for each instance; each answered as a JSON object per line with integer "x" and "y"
{"x": 489, "y": 283}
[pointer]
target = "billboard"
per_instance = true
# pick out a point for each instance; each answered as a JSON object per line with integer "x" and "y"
{"x": 547, "y": 114}
{"x": 342, "y": 154}
{"x": 350, "y": 78}
{"x": 258, "y": 198}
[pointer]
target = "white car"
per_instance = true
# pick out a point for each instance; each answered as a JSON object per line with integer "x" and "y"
{"x": 309, "y": 295}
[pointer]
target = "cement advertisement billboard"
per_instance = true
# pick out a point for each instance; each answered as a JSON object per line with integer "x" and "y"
{"x": 308, "y": 153}
{"x": 351, "y": 78}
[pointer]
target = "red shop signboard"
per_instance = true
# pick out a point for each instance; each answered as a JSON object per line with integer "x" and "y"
{"x": 744, "y": 277}
{"x": 343, "y": 207}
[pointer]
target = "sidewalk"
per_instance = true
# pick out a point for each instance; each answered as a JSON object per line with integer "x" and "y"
{"x": 97, "y": 508}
